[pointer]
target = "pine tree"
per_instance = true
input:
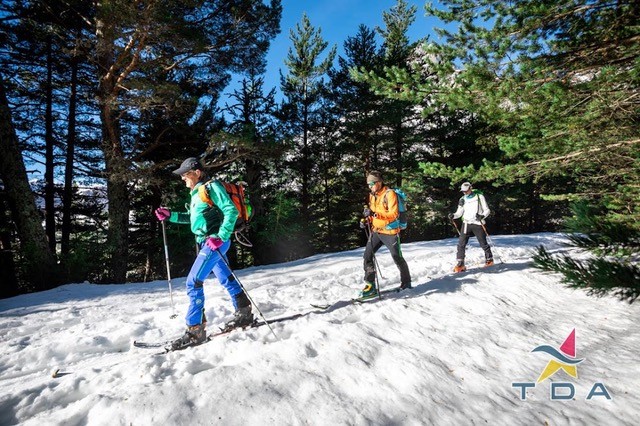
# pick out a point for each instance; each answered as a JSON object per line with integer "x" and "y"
{"x": 555, "y": 82}
{"x": 133, "y": 40}
{"x": 252, "y": 123}
{"x": 399, "y": 117}
{"x": 303, "y": 87}
{"x": 611, "y": 266}
{"x": 358, "y": 117}
{"x": 40, "y": 267}
{"x": 357, "y": 107}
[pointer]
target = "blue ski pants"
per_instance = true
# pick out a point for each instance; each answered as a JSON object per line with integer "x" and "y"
{"x": 206, "y": 262}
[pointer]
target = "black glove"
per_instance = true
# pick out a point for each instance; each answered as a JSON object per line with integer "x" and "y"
{"x": 450, "y": 216}
{"x": 479, "y": 216}
{"x": 367, "y": 212}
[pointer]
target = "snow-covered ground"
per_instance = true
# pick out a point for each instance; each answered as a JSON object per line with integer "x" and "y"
{"x": 447, "y": 352}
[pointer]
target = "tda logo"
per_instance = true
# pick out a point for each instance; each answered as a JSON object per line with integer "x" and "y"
{"x": 564, "y": 359}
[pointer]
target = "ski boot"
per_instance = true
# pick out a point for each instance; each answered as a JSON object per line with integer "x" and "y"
{"x": 241, "y": 318}
{"x": 406, "y": 286}
{"x": 459, "y": 267}
{"x": 489, "y": 262}
{"x": 193, "y": 336}
{"x": 369, "y": 291}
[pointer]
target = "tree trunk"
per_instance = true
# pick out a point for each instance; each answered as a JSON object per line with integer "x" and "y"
{"x": 254, "y": 182}
{"x": 114, "y": 159}
{"x": 305, "y": 248}
{"x": 67, "y": 196}
{"x": 117, "y": 196}
{"x": 328, "y": 212}
{"x": 399, "y": 136}
{"x": 8, "y": 272}
{"x": 152, "y": 264}
{"x": 535, "y": 209}
{"x": 305, "y": 166}
{"x": 49, "y": 185}
{"x": 40, "y": 266}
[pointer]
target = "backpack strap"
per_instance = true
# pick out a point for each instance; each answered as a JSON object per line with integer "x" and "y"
{"x": 203, "y": 193}
{"x": 385, "y": 202}
{"x": 243, "y": 206}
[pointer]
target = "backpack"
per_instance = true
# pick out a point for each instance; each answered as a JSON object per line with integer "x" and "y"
{"x": 240, "y": 199}
{"x": 476, "y": 192}
{"x": 401, "y": 221}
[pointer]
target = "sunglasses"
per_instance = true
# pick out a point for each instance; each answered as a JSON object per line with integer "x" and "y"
{"x": 371, "y": 184}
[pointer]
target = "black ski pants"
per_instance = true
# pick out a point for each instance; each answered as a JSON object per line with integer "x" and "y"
{"x": 392, "y": 242}
{"x": 478, "y": 231}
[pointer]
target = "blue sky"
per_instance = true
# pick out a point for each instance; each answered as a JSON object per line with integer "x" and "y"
{"x": 337, "y": 19}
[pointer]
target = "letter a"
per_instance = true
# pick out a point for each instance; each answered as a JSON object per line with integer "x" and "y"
{"x": 602, "y": 392}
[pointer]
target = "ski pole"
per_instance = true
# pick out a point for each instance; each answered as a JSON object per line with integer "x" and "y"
{"x": 377, "y": 279}
{"x": 455, "y": 226}
{"x": 491, "y": 244}
{"x": 166, "y": 257}
{"x": 224, "y": 259}
{"x": 369, "y": 233}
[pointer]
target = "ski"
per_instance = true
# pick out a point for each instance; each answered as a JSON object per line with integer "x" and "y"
{"x": 382, "y": 293}
{"x": 358, "y": 300}
{"x": 477, "y": 268}
{"x": 327, "y": 306}
{"x": 142, "y": 344}
{"x": 394, "y": 290}
{"x": 166, "y": 344}
{"x": 321, "y": 306}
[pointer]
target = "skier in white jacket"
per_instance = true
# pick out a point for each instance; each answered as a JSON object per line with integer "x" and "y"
{"x": 473, "y": 209}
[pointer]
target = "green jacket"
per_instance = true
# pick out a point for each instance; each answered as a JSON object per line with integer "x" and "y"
{"x": 218, "y": 221}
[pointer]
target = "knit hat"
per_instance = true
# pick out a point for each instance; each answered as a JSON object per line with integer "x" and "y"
{"x": 465, "y": 187}
{"x": 374, "y": 176}
{"x": 187, "y": 165}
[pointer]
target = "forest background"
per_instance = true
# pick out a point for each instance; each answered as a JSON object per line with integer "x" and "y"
{"x": 535, "y": 102}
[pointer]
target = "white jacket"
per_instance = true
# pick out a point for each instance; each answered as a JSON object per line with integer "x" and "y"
{"x": 469, "y": 206}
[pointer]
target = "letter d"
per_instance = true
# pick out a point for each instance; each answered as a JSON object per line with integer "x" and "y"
{"x": 556, "y": 396}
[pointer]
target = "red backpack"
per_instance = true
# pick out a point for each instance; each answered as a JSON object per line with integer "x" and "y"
{"x": 240, "y": 199}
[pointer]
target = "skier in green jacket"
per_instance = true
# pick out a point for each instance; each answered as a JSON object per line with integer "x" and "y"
{"x": 212, "y": 227}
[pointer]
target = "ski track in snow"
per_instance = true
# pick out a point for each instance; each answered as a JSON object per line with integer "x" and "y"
{"x": 446, "y": 352}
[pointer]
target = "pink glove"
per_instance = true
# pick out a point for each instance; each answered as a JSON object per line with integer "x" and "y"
{"x": 162, "y": 213}
{"x": 214, "y": 243}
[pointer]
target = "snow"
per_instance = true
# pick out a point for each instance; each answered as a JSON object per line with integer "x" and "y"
{"x": 446, "y": 352}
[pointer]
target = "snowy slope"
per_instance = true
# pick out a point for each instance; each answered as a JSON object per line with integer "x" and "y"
{"x": 446, "y": 352}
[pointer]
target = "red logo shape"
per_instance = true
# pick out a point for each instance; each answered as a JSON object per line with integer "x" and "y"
{"x": 569, "y": 345}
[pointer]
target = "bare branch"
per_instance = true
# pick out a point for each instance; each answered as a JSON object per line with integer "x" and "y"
{"x": 579, "y": 153}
